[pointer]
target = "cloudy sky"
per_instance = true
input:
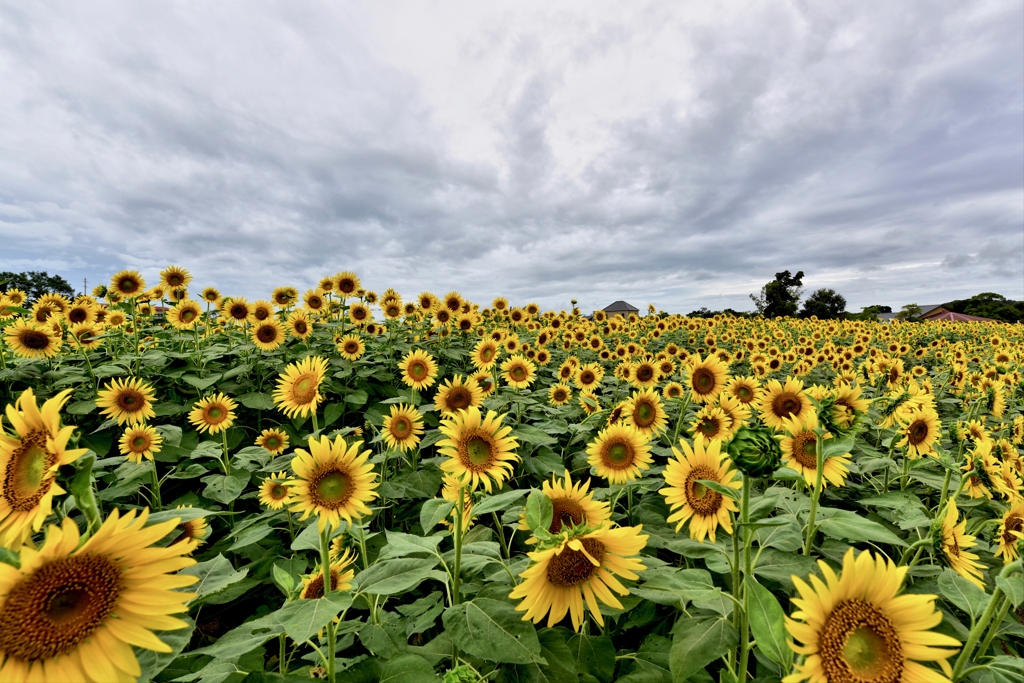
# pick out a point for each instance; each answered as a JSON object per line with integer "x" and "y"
{"x": 671, "y": 152}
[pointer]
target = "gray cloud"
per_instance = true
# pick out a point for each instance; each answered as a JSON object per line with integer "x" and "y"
{"x": 674, "y": 154}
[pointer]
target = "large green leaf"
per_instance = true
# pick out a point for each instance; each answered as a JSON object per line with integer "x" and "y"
{"x": 407, "y": 668}
{"x": 214, "y": 575}
{"x": 302, "y": 619}
{"x": 433, "y": 511}
{"x": 152, "y": 662}
{"x": 594, "y": 655}
{"x": 698, "y": 642}
{"x": 852, "y": 527}
{"x": 768, "y": 624}
{"x": 498, "y": 502}
{"x": 492, "y": 630}
{"x": 962, "y": 593}
{"x": 394, "y": 576}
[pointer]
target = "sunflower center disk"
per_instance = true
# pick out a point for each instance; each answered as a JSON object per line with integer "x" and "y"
{"x": 703, "y": 500}
{"x": 459, "y": 398}
{"x": 400, "y": 427}
{"x": 23, "y": 482}
{"x": 618, "y": 455}
{"x": 58, "y": 606}
{"x": 703, "y": 381}
{"x": 518, "y": 373}
{"x": 478, "y": 451}
{"x": 34, "y": 340}
{"x": 304, "y": 389}
{"x": 918, "y": 432}
{"x": 644, "y": 415}
{"x": 805, "y": 450}
{"x": 140, "y": 442}
{"x": 572, "y": 567}
{"x": 278, "y": 491}
{"x": 332, "y": 489}
{"x": 129, "y": 400}
{"x": 709, "y": 427}
{"x": 567, "y": 512}
{"x": 860, "y": 644}
{"x": 786, "y": 404}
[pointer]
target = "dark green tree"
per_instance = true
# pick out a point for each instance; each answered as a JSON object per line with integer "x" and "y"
{"x": 989, "y": 305}
{"x": 35, "y": 284}
{"x": 781, "y": 296}
{"x": 827, "y": 304}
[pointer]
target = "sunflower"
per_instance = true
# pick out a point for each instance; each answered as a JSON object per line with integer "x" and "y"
{"x": 619, "y": 454}
{"x": 116, "y": 319}
{"x": 193, "y": 530}
{"x": 452, "y": 301}
{"x": 954, "y": 542}
{"x": 799, "y": 452}
{"x": 559, "y": 579}
{"x": 589, "y": 403}
{"x": 262, "y": 310}
{"x": 743, "y": 389}
{"x": 213, "y": 414}
{"x": 128, "y": 401}
{"x": 707, "y": 378}
{"x": 30, "y": 340}
{"x": 341, "y": 574}
{"x": 283, "y": 297}
{"x": 275, "y": 491}
{"x": 672, "y": 391}
{"x": 778, "y": 402}
{"x": 455, "y": 395}
{"x": 86, "y": 335}
{"x": 690, "y": 500}
{"x": 559, "y": 394}
{"x": 237, "y": 310}
{"x": 1011, "y": 531}
{"x": 298, "y": 387}
{"x": 518, "y": 371}
{"x": 572, "y": 504}
{"x": 274, "y": 441}
{"x": 920, "y": 429}
{"x": 314, "y": 300}
{"x": 418, "y": 369}
{"x": 479, "y": 449}
{"x": 711, "y": 422}
{"x": 81, "y": 312}
{"x": 347, "y": 283}
{"x": 351, "y": 347}
{"x": 854, "y": 627}
{"x": 588, "y": 376}
{"x": 127, "y": 284}
{"x": 645, "y": 413}
{"x": 267, "y": 335}
{"x": 403, "y": 428}
{"x": 211, "y": 295}
{"x": 74, "y": 613}
{"x": 30, "y": 456}
{"x": 359, "y": 314}
{"x": 645, "y": 374}
{"x": 16, "y": 297}
{"x": 185, "y": 315}
{"x": 334, "y": 481}
{"x": 485, "y": 381}
{"x": 485, "y": 353}
{"x": 140, "y": 441}
{"x": 299, "y": 324}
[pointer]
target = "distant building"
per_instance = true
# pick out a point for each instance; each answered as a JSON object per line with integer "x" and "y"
{"x": 620, "y": 308}
{"x": 938, "y": 312}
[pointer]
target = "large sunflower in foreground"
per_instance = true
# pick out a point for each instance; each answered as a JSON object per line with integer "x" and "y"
{"x": 559, "y": 579}
{"x": 480, "y": 449}
{"x": 333, "y": 480}
{"x": 418, "y": 369}
{"x": 780, "y": 401}
{"x": 455, "y": 395}
{"x": 572, "y": 505}
{"x": 855, "y": 627}
{"x": 619, "y": 454}
{"x": 403, "y": 427}
{"x": 29, "y": 340}
{"x": 298, "y": 387}
{"x": 707, "y": 378}
{"x": 954, "y": 542}
{"x": 73, "y": 613}
{"x": 692, "y": 501}
{"x": 30, "y": 456}
{"x": 128, "y": 401}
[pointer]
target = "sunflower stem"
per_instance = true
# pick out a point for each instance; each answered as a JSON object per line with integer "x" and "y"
{"x": 325, "y": 566}
{"x": 819, "y": 456}
{"x": 741, "y": 669}
{"x": 684, "y": 404}
{"x": 85, "y": 497}
{"x": 501, "y": 536}
{"x": 996, "y": 623}
{"x": 316, "y": 425}
{"x": 976, "y": 630}
{"x": 227, "y": 459}
{"x": 905, "y": 479}
{"x": 157, "y": 504}
{"x": 456, "y": 571}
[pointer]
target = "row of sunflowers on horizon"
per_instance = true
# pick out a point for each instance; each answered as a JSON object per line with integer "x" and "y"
{"x": 605, "y": 424}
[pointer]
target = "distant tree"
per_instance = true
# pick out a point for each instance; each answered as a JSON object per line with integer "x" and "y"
{"x": 827, "y": 304}
{"x": 909, "y": 312}
{"x": 35, "y": 284}
{"x": 989, "y": 305}
{"x": 869, "y": 312}
{"x": 781, "y": 296}
{"x": 702, "y": 312}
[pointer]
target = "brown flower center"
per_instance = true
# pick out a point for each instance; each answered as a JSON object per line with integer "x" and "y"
{"x": 1012, "y": 523}
{"x": 618, "y": 454}
{"x": 26, "y": 480}
{"x": 860, "y": 644}
{"x": 239, "y": 312}
{"x": 573, "y": 567}
{"x": 266, "y": 333}
{"x": 418, "y": 370}
{"x": 214, "y": 414}
{"x": 917, "y": 432}
{"x": 805, "y": 450}
{"x": 645, "y": 373}
{"x": 587, "y": 377}
{"x": 315, "y": 589}
{"x": 304, "y": 389}
{"x": 300, "y": 327}
{"x": 703, "y": 381}
{"x": 703, "y": 500}
{"x": 351, "y": 347}
{"x": 644, "y": 414}
{"x": 330, "y": 488}
{"x": 786, "y": 404}
{"x": 567, "y": 512}
{"x": 458, "y": 398}
{"x": 477, "y": 451}
{"x": 709, "y": 426}
{"x": 401, "y": 426}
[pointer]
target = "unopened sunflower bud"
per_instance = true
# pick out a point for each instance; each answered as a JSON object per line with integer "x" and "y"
{"x": 755, "y": 451}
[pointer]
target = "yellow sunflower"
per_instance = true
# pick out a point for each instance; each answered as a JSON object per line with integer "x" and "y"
{"x": 588, "y": 376}
{"x": 299, "y": 325}
{"x": 559, "y": 579}
{"x": 619, "y": 454}
{"x": 298, "y": 387}
{"x": 455, "y": 395}
{"x": 192, "y": 531}
{"x": 954, "y": 543}
{"x": 403, "y": 428}
{"x": 485, "y": 354}
{"x": 707, "y": 378}
{"x": 418, "y": 369}
{"x": 645, "y": 374}
{"x": 518, "y": 371}
{"x": 589, "y": 402}
{"x": 283, "y": 297}
{"x": 275, "y": 491}
{"x": 334, "y": 481}
{"x": 359, "y": 314}
{"x": 127, "y": 283}
{"x": 1011, "y": 531}
{"x": 351, "y": 347}
{"x": 73, "y": 613}
{"x": 237, "y": 310}
{"x": 559, "y": 394}
{"x": 690, "y": 500}
{"x": 479, "y": 449}
{"x": 855, "y": 626}
{"x": 174, "y": 277}
{"x": 778, "y": 402}
{"x": 82, "y": 311}
{"x": 267, "y": 335}
{"x": 341, "y": 573}
{"x": 347, "y": 283}
{"x": 140, "y": 441}
{"x": 572, "y": 505}
{"x": 274, "y": 441}
{"x": 213, "y": 414}
{"x": 920, "y": 429}
{"x": 673, "y": 391}
{"x": 799, "y": 452}
{"x": 262, "y": 310}
{"x": 645, "y": 413}
{"x": 711, "y": 422}
{"x": 185, "y": 315}
{"x": 128, "y": 401}
{"x": 30, "y": 456}
{"x": 30, "y": 340}
{"x": 86, "y": 335}
{"x": 485, "y": 381}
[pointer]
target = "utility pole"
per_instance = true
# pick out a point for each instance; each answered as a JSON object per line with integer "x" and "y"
{"x": 85, "y": 286}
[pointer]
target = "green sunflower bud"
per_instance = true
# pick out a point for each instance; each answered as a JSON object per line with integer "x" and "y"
{"x": 755, "y": 451}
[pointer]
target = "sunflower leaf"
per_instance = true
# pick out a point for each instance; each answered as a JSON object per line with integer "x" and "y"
{"x": 395, "y": 576}
{"x": 767, "y": 623}
{"x": 498, "y": 502}
{"x": 715, "y": 486}
{"x": 962, "y": 593}
{"x": 433, "y": 511}
{"x": 698, "y": 643}
{"x": 492, "y": 630}
{"x": 214, "y": 575}
{"x": 539, "y": 510}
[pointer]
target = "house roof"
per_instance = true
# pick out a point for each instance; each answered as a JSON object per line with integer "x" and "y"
{"x": 620, "y": 306}
{"x": 960, "y": 317}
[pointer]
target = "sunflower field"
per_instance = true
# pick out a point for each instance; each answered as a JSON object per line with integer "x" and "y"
{"x": 359, "y": 487}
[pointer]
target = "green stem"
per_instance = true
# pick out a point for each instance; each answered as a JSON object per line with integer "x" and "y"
{"x": 816, "y": 493}
{"x": 227, "y": 458}
{"x": 316, "y": 425}
{"x": 156, "y": 489}
{"x": 456, "y": 571}
{"x": 741, "y": 670}
{"x": 996, "y": 623}
{"x": 281, "y": 666}
{"x": 501, "y": 536}
{"x": 85, "y": 498}
{"x": 362, "y": 547}
{"x": 905, "y": 479}
{"x": 325, "y": 562}
{"x": 679, "y": 421}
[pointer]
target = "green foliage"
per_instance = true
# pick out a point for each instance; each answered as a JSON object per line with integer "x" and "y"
{"x": 825, "y": 303}
{"x": 35, "y": 284}
{"x": 780, "y": 297}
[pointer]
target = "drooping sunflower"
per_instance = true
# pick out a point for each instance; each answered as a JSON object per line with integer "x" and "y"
{"x": 855, "y": 626}
{"x": 560, "y": 579}
{"x": 418, "y": 369}
{"x": 559, "y": 394}
{"x": 351, "y": 347}
{"x": 619, "y": 453}
{"x": 645, "y": 413}
{"x": 485, "y": 353}
{"x": 341, "y": 573}
{"x": 298, "y": 388}
{"x": 485, "y": 381}
{"x": 588, "y": 376}
{"x": 213, "y": 414}
{"x": 572, "y": 505}
{"x": 30, "y": 456}
{"x": 778, "y": 402}
{"x": 185, "y": 315}
{"x": 403, "y": 428}
{"x": 799, "y": 452}
{"x": 920, "y": 429}
{"x": 334, "y": 481}
{"x": 275, "y": 491}
{"x": 274, "y": 441}
{"x": 954, "y": 543}
{"x": 127, "y": 284}
{"x": 707, "y": 378}
{"x": 480, "y": 449}
{"x": 1011, "y": 531}
{"x": 30, "y": 340}
{"x": 267, "y": 335}
{"x": 690, "y": 500}
{"x": 73, "y": 613}
{"x": 128, "y": 401}
{"x": 518, "y": 371}
{"x": 589, "y": 402}
{"x": 140, "y": 441}
{"x": 455, "y": 395}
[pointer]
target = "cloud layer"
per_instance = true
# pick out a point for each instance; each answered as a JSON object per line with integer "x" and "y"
{"x": 668, "y": 153}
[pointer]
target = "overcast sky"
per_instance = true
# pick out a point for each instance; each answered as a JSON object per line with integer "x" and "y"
{"x": 671, "y": 152}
